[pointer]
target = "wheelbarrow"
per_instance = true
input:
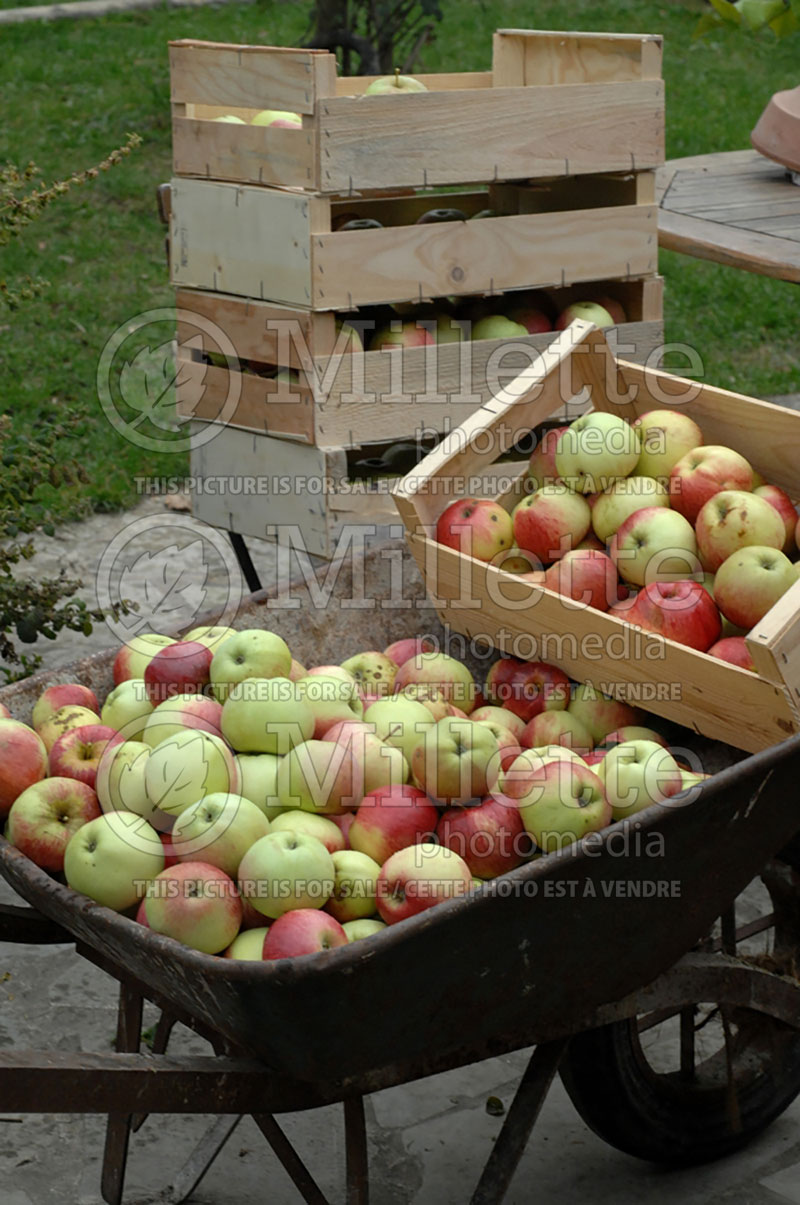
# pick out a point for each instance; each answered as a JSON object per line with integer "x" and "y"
{"x": 581, "y": 953}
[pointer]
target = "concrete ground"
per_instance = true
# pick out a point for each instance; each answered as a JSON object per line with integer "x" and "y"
{"x": 427, "y": 1141}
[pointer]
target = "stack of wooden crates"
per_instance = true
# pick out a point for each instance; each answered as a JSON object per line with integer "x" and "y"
{"x": 559, "y": 141}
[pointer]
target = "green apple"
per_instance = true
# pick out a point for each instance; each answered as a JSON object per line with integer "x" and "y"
{"x": 230, "y": 119}
{"x": 186, "y": 768}
{"x": 120, "y": 782}
{"x": 624, "y": 498}
{"x": 211, "y": 637}
{"x": 248, "y": 945}
{"x": 374, "y": 672}
{"x": 253, "y": 653}
{"x": 323, "y": 777}
{"x": 185, "y": 710}
{"x": 330, "y": 699}
{"x": 355, "y": 885}
{"x": 595, "y": 450}
{"x": 113, "y": 858}
{"x": 496, "y": 326}
{"x": 391, "y": 84}
{"x": 277, "y": 117}
{"x": 258, "y": 781}
{"x": 654, "y": 545}
{"x": 637, "y": 774}
{"x": 266, "y": 715}
{"x": 457, "y": 761}
{"x": 366, "y": 927}
{"x": 218, "y": 829}
{"x": 294, "y": 820}
{"x": 400, "y": 722}
{"x": 566, "y": 802}
{"x": 283, "y": 871}
{"x": 196, "y": 904}
{"x": 126, "y": 709}
{"x": 136, "y": 654}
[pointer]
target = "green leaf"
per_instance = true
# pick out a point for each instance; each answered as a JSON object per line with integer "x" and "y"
{"x": 758, "y": 13}
{"x": 707, "y": 22}
{"x": 786, "y": 23}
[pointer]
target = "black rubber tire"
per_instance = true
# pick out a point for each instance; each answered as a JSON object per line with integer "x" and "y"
{"x": 661, "y": 1118}
{"x": 667, "y": 1119}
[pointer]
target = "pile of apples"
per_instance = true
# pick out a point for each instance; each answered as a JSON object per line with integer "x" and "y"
{"x": 227, "y": 797}
{"x": 647, "y": 522}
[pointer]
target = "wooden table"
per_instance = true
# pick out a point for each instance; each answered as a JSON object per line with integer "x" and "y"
{"x": 735, "y": 208}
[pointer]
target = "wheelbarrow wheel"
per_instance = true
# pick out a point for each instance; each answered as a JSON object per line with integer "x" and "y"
{"x": 715, "y": 1079}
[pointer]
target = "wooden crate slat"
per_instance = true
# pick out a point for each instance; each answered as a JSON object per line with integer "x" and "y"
{"x": 366, "y": 267}
{"x": 525, "y": 57}
{"x": 708, "y": 696}
{"x": 257, "y": 154}
{"x": 249, "y": 77}
{"x": 241, "y": 240}
{"x": 502, "y": 133}
{"x": 263, "y": 404}
{"x": 356, "y": 85}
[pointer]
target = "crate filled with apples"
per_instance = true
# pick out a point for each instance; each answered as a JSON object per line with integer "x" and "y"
{"x": 656, "y": 535}
{"x": 315, "y": 375}
{"x": 245, "y": 805}
{"x": 282, "y": 117}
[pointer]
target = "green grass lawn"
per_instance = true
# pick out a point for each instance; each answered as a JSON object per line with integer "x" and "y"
{"x": 70, "y": 91}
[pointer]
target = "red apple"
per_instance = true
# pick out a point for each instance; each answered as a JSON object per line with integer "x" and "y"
{"x": 132, "y": 659}
{"x": 67, "y": 694}
{"x": 77, "y": 753}
{"x": 551, "y": 521}
{"x": 182, "y": 711}
{"x": 735, "y": 650}
{"x": 542, "y": 464}
{"x": 586, "y": 576}
{"x": 44, "y": 817}
{"x": 527, "y": 687}
{"x": 680, "y": 611}
{"x": 179, "y": 668}
{"x": 535, "y": 321}
{"x": 489, "y": 837}
{"x": 477, "y": 527}
{"x": 23, "y": 761}
{"x": 632, "y": 732}
{"x": 500, "y": 716}
{"x": 302, "y": 931}
{"x": 170, "y": 856}
{"x": 508, "y": 746}
{"x": 196, "y": 904}
{"x": 390, "y": 819}
{"x": 403, "y": 650}
{"x": 418, "y": 878}
{"x": 600, "y": 713}
{"x": 5, "y": 714}
{"x": 401, "y": 334}
{"x": 704, "y": 472}
{"x": 785, "y": 508}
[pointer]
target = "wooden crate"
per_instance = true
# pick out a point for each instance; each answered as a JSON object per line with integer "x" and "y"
{"x": 748, "y": 710}
{"x": 278, "y": 245}
{"x": 347, "y": 400}
{"x": 297, "y": 494}
{"x": 554, "y": 103}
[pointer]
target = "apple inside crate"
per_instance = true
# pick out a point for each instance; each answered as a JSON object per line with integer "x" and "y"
{"x": 750, "y": 710}
{"x": 350, "y": 398}
{"x": 299, "y": 249}
{"x": 554, "y": 103}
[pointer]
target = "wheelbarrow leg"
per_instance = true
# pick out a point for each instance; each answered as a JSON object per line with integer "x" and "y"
{"x": 355, "y": 1133}
{"x": 513, "y": 1138}
{"x": 118, "y": 1129}
{"x": 164, "y": 1027}
{"x": 200, "y": 1160}
{"x": 292, "y": 1163}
